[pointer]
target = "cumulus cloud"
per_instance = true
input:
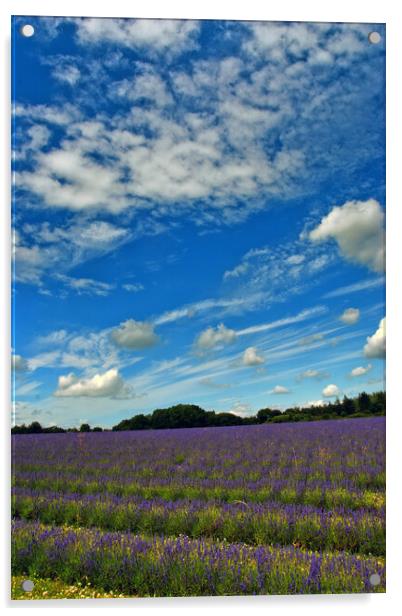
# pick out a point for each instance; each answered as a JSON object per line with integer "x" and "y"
{"x": 279, "y": 389}
{"x": 134, "y": 335}
{"x": 315, "y": 403}
{"x": 358, "y": 228}
{"x": 331, "y": 391}
{"x": 106, "y": 385}
{"x": 18, "y": 363}
{"x": 213, "y": 337}
{"x": 251, "y": 357}
{"x": 375, "y": 347}
{"x": 350, "y": 316}
{"x": 67, "y": 73}
{"x": 360, "y": 370}
{"x": 169, "y": 36}
{"x": 242, "y": 409}
{"x": 224, "y": 147}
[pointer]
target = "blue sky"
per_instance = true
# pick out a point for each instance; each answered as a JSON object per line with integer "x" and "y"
{"x": 198, "y": 216}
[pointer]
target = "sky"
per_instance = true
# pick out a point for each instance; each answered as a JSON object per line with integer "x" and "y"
{"x": 198, "y": 216}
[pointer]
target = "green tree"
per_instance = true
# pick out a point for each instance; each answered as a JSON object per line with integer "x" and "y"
{"x": 264, "y": 415}
{"x": 35, "y": 428}
{"x": 363, "y": 402}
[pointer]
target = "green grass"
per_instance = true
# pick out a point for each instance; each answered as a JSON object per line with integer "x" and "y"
{"x": 45, "y": 588}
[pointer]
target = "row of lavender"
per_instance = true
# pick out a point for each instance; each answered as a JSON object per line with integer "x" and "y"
{"x": 309, "y": 486}
{"x": 361, "y": 531}
{"x": 160, "y": 566}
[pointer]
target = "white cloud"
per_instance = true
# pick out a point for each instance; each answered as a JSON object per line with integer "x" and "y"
{"x": 59, "y": 116}
{"x": 67, "y": 245}
{"x": 331, "y": 391}
{"x": 350, "y": 316}
{"x": 295, "y": 259}
{"x": 75, "y": 360}
{"x": 85, "y": 286}
{"x": 221, "y": 305}
{"x": 315, "y": 403}
{"x": 44, "y": 360}
{"x": 251, "y": 357}
{"x": 308, "y": 340}
{"x": 159, "y": 35}
{"x": 302, "y": 316}
{"x": 53, "y": 338}
{"x": 219, "y": 141}
{"x": 174, "y": 315}
{"x": 149, "y": 85}
{"x": 24, "y": 412}
{"x": 279, "y": 389}
{"x": 375, "y": 347}
{"x": 211, "y": 337}
{"x": 360, "y": 371}
{"x": 27, "y": 388}
{"x": 18, "y": 363}
{"x": 134, "y": 335}
{"x": 67, "y": 73}
{"x": 133, "y": 287}
{"x": 241, "y": 409}
{"x": 209, "y": 382}
{"x": 358, "y": 228}
{"x": 238, "y": 271}
{"x": 106, "y": 385}
{"x": 39, "y": 135}
{"x": 312, "y": 374}
{"x": 354, "y": 288}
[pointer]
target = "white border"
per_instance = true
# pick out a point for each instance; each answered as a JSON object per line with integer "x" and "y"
{"x": 382, "y": 11}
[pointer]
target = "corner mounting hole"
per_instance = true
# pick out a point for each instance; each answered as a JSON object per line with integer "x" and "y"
{"x": 374, "y": 579}
{"x": 27, "y": 30}
{"x": 374, "y": 38}
{"x": 28, "y": 585}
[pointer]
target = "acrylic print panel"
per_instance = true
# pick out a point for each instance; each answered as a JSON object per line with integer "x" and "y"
{"x": 198, "y": 301}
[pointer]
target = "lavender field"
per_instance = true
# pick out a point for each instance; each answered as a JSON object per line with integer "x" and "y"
{"x": 265, "y": 509}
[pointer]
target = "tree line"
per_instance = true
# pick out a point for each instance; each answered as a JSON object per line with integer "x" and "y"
{"x": 193, "y": 416}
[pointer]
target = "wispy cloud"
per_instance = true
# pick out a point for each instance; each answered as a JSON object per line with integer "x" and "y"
{"x": 302, "y": 316}
{"x": 85, "y": 286}
{"x": 355, "y": 288}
